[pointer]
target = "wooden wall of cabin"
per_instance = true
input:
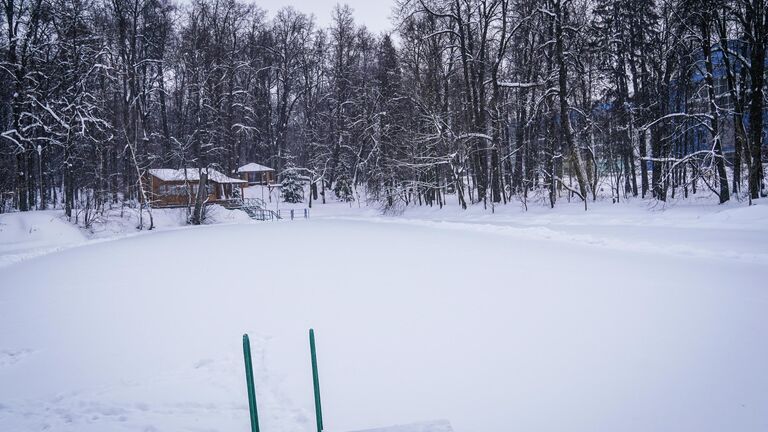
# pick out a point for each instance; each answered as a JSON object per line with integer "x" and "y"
{"x": 180, "y": 196}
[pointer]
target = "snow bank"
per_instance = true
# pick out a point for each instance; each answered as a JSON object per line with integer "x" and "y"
{"x": 30, "y": 234}
{"x": 25, "y": 235}
{"x": 734, "y": 231}
{"x": 122, "y": 222}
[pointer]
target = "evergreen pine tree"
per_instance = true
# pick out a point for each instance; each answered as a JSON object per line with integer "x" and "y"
{"x": 292, "y": 190}
{"x": 343, "y": 189}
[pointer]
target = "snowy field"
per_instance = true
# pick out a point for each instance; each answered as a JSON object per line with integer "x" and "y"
{"x": 629, "y": 317}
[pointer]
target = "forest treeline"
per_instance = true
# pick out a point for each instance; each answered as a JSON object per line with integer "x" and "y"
{"x": 486, "y": 101}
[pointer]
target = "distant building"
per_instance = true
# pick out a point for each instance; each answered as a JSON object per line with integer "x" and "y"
{"x": 694, "y": 99}
{"x": 178, "y": 187}
{"x": 256, "y": 174}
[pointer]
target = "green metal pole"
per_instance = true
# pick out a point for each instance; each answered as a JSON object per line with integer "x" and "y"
{"x": 249, "y": 383}
{"x": 315, "y": 381}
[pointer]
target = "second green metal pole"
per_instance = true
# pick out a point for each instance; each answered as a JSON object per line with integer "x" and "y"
{"x": 315, "y": 381}
{"x": 249, "y": 384}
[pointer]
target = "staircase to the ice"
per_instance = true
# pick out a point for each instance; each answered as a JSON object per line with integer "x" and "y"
{"x": 255, "y": 209}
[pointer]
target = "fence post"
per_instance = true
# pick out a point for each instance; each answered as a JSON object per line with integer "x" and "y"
{"x": 249, "y": 384}
{"x": 315, "y": 382}
{"x": 291, "y": 214}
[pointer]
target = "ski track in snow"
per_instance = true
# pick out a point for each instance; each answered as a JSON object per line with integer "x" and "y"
{"x": 561, "y": 235}
{"x": 10, "y": 357}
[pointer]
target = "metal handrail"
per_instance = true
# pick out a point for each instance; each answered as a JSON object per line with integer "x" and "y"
{"x": 294, "y": 213}
{"x": 254, "y": 202}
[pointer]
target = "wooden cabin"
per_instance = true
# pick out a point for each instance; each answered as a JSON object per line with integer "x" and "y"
{"x": 256, "y": 174}
{"x": 178, "y": 187}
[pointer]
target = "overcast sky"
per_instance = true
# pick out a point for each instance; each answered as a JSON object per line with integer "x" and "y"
{"x": 375, "y": 14}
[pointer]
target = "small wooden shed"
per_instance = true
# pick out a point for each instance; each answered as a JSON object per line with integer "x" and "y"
{"x": 174, "y": 187}
{"x": 256, "y": 174}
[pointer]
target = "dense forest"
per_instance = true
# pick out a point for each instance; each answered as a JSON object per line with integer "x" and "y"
{"x": 481, "y": 101}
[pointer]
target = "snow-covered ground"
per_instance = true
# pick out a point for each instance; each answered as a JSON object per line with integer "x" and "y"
{"x": 628, "y": 317}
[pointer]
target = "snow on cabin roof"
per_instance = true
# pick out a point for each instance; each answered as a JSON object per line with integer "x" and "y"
{"x": 254, "y": 167}
{"x": 191, "y": 174}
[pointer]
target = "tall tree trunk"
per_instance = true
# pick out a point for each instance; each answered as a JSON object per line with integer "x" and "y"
{"x": 713, "y": 111}
{"x": 197, "y": 213}
{"x": 565, "y": 121}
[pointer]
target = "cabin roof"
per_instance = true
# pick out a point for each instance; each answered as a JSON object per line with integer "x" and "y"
{"x": 192, "y": 175}
{"x": 254, "y": 167}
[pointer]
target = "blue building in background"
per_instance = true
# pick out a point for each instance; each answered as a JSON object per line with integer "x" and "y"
{"x": 693, "y": 99}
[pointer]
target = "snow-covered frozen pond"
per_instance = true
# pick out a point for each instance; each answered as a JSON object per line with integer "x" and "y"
{"x": 493, "y": 328}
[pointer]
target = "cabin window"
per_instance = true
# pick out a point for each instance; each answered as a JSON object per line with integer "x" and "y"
{"x": 172, "y": 190}
{"x": 182, "y": 190}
